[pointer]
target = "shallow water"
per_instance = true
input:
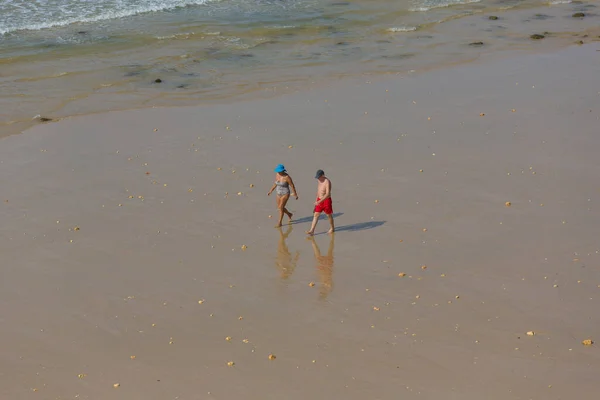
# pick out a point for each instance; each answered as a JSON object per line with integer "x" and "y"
{"x": 65, "y": 57}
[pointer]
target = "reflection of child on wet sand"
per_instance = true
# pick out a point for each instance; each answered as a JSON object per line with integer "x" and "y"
{"x": 284, "y": 261}
{"x": 324, "y": 266}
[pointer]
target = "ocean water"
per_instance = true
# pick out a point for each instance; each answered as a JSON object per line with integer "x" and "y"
{"x": 67, "y": 57}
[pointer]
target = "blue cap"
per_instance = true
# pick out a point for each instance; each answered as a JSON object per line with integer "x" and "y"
{"x": 319, "y": 174}
{"x": 280, "y": 168}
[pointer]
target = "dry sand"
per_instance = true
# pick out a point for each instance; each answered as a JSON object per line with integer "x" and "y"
{"x": 122, "y": 259}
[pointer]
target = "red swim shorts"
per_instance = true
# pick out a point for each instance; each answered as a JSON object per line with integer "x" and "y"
{"x": 326, "y": 206}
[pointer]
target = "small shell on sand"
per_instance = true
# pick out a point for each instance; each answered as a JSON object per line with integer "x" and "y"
{"x": 376, "y": 201}
{"x": 482, "y": 114}
{"x": 116, "y": 385}
{"x": 401, "y": 274}
{"x": 230, "y": 363}
{"x": 587, "y": 342}
{"x": 132, "y": 357}
{"x": 423, "y": 267}
{"x": 200, "y": 301}
{"x": 228, "y": 338}
{"x": 375, "y": 308}
{"x": 244, "y": 247}
{"x": 311, "y": 284}
{"x": 530, "y": 333}
{"x": 272, "y": 356}
{"x": 508, "y": 204}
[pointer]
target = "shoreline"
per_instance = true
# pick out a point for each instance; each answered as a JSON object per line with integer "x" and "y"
{"x": 141, "y": 262}
{"x": 146, "y": 97}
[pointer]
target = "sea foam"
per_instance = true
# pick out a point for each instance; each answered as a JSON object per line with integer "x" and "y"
{"x": 426, "y": 5}
{"x": 21, "y": 15}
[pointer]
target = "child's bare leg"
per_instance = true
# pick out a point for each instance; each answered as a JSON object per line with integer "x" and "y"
{"x": 281, "y": 202}
{"x": 280, "y": 218}
{"x": 280, "y": 209}
{"x": 314, "y": 224}
{"x": 330, "y": 216}
{"x": 282, "y": 205}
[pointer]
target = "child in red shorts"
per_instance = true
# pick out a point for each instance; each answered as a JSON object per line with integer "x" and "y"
{"x": 323, "y": 203}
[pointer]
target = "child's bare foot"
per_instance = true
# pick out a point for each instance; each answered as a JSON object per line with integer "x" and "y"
{"x": 331, "y": 231}
{"x": 310, "y": 233}
{"x": 290, "y": 215}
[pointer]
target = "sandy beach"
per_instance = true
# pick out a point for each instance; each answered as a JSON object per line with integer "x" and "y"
{"x": 139, "y": 258}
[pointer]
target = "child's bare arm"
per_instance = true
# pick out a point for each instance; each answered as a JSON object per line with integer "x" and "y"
{"x": 291, "y": 182}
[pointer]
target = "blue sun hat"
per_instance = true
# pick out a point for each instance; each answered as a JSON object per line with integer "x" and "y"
{"x": 280, "y": 168}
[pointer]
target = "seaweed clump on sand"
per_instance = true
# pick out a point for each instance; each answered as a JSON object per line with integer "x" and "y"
{"x": 537, "y": 36}
{"x": 578, "y": 15}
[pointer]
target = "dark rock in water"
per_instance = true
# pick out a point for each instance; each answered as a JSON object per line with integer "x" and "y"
{"x": 44, "y": 119}
{"x": 158, "y": 80}
{"x": 546, "y": 33}
{"x": 493, "y": 17}
{"x": 341, "y": 3}
{"x": 82, "y": 32}
{"x": 247, "y": 55}
{"x": 580, "y": 42}
{"x": 542, "y": 17}
{"x": 342, "y": 44}
{"x": 183, "y": 86}
{"x": 578, "y": 15}
{"x": 537, "y": 36}
{"x": 476, "y": 44}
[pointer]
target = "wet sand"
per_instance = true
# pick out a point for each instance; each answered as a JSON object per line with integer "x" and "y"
{"x": 138, "y": 250}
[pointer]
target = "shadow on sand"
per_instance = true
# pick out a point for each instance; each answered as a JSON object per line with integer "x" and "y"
{"x": 310, "y": 218}
{"x": 361, "y": 226}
